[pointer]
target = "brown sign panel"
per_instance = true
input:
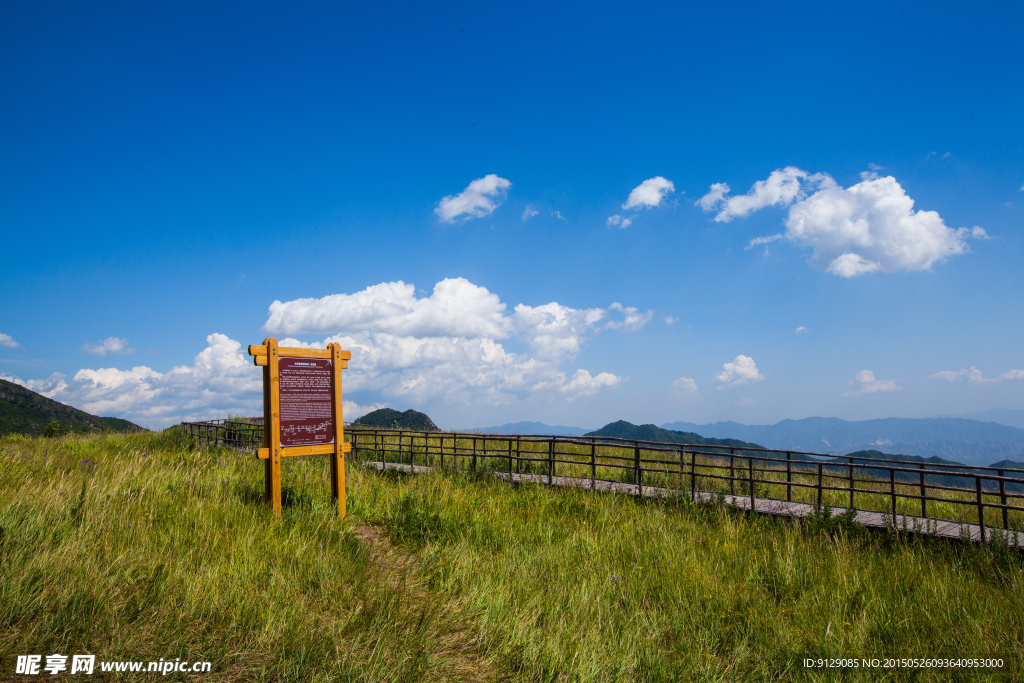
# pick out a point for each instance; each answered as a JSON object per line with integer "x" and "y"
{"x": 307, "y": 392}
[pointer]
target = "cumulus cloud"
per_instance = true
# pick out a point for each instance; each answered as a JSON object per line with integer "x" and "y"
{"x": 446, "y": 346}
{"x": 220, "y": 380}
{"x": 670, "y": 320}
{"x": 801, "y": 330}
{"x": 529, "y": 212}
{"x": 633, "y": 319}
{"x": 975, "y": 376}
{"x": 867, "y": 384}
{"x": 479, "y": 199}
{"x": 869, "y": 227}
{"x": 649, "y": 193}
{"x": 111, "y": 346}
{"x": 783, "y": 187}
{"x": 618, "y": 221}
{"x": 559, "y": 216}
{"x": 450, "y": 345}
{"x": 48, "y": 387}
{"x": 686, "y": 388}
{"x": 8, "y": 342}
{"x": 456, "y": 308}
{"x": 740, "y": 371}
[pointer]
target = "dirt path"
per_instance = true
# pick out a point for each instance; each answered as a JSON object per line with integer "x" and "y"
{"x": 460, "y": 656}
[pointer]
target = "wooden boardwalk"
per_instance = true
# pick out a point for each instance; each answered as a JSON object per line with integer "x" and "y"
{"x": 766, "y": 506}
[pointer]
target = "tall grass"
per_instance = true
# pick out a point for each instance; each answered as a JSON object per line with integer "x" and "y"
{"x": 572, "y": 585}
{"x": 141, "y": 547}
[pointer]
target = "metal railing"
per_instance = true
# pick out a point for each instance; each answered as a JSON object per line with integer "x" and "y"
{"x": 890, "y": 487}
{"x": 240, "y": 433}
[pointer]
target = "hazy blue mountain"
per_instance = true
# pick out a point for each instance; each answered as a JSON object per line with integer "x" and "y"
{"x": 1006, "y": 416}
{"x": 972, "y": 442}
{"x": 530, "y": 428}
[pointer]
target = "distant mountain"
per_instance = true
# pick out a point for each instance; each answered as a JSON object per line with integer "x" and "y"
{"x": 531, "y": 428}
{"x": 23, "y": 411}
{"x": 648, "y": 432}
{"x": 967, "y": 441}
{"x": 1006, "y": 416}
{"x": 386, "y": 418}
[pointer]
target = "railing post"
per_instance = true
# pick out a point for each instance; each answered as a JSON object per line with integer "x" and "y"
{"x": 519, "y": 461}
{"x": 732, "y": 471}
{"x": 693, "y": 476}
{"x": 819, "y": 485}
{"x": 1002, "y": 499}
{"x": 682, "y": 466}
{"x": 551, "y": 460}
{"x": 924, "y": 502}
{"x": 636, "y": 464}
{"x": 892, "y": 490}
{"x": 852, "y": 506}
{"x": 509, "y": 444}
{"x": 593, "y": 466}
{"x": 981, "y": 507}
{"x": 753, "y": 497}
{"x": 789, "y": 477}
{"x": 474, "y": 455}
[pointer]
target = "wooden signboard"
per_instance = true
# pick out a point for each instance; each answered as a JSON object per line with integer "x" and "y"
{"x": 302, "y": 411}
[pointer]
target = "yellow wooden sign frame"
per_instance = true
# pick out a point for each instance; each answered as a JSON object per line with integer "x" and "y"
{"x": 268, "y": 355}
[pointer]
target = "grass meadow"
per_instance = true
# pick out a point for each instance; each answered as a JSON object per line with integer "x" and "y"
{"x": 144, "y": 547}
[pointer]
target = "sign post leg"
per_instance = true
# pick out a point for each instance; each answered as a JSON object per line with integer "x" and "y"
{"x": 338, "y": 457}
{"x": 274, "y": 428}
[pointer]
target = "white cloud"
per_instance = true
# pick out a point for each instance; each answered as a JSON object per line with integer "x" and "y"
{"x": 801, "y": 330}
{"x": 220, "y": 380}
{"x": 746, "y": 401}
{"x": 783, "y": 187}
{"x": 740, "y": 371}
{"x": 444, "y": 347}
{"x": 975, "y": 376}
{"x": 449, "y": 345}
{"x": 529, "y": 212}
{"x": 634, "y": 319}
{"x": 559, "y": 216}
{"x": 479, "y": 199}
{"x": 649, "y": 193}
{"x": 111, "y": 346}
{"x": 618, "y": 221}
{"x": 868, "y": 227}
{"x": 48, "y": 387}
{"x": 716, "y": 193}
{"x": 670, "y": 320}
{"x": 8, "y": 342}
{"x": 686, "y": 388}
{"x": 867, "y": 384}
{"x": 758, "y": 241}
{"x": 457, "y": 308}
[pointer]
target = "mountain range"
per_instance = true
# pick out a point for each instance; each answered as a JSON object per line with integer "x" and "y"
{"x": 971, "y": 442}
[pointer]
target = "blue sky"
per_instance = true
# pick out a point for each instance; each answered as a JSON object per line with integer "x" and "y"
{"x": 517, "y": 212}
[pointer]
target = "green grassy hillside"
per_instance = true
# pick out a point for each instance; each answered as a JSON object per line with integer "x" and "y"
{"x": 23, "y": 411}
{"x": 386, "y": 418}
{"x": 139, "y": 547}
